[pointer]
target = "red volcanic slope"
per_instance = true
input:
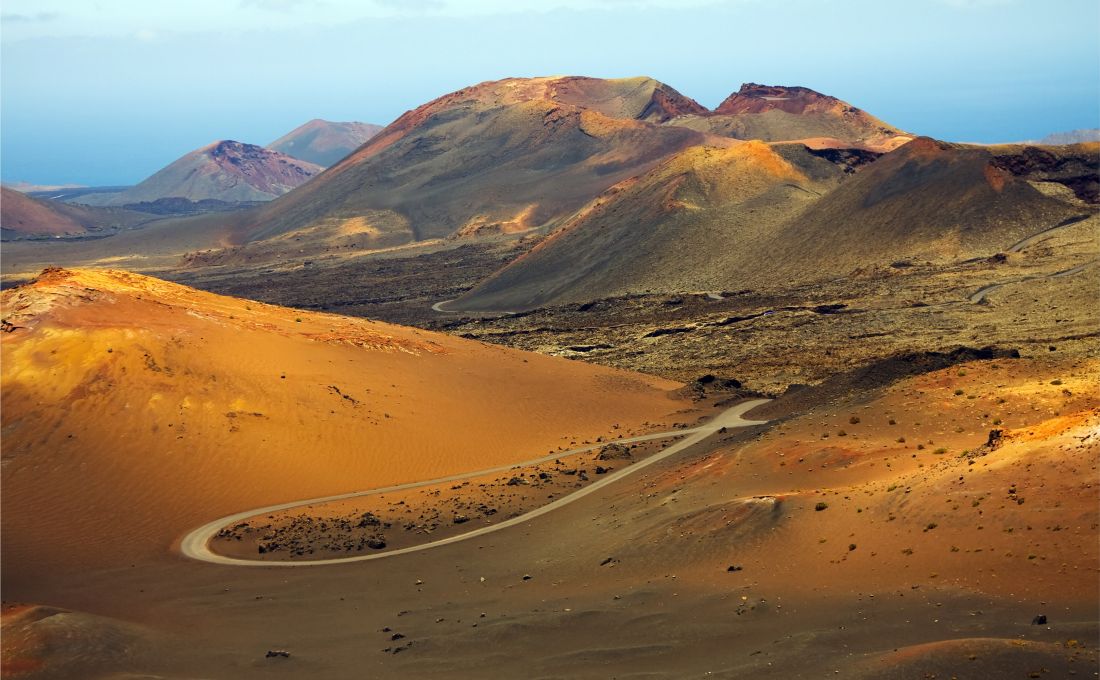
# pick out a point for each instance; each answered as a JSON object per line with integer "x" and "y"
{"x": 753, "y": 98}
{"x": 225, "y": 171}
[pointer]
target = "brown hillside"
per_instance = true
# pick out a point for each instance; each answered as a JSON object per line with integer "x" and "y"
{"x": 225, "y": 171}
{"x": 927, "y": 200}
{"x": 676, "y": 227}
{"x": 538, "y": 147}
{"x": 778, "y": 113}
{"x": 23, "y": 216}
{"x": 729, "y": 219}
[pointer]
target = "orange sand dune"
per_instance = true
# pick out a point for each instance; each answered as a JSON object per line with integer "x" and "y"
{"x": 134, "y": 409}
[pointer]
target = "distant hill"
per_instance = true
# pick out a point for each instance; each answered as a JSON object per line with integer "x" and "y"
{"x": 28, "y": 188}
{"x": 324, "y": 142}
{"x": 225, "y": 171}
{"x": 1072, "y": 137}
{"x": 22, "y": 216}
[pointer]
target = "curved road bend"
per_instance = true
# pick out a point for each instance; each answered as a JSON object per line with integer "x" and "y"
{"x": 196, "y": 544}
{"x": 978, "y": 296}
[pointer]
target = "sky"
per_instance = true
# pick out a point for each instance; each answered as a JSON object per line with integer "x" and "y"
{"x": 106, "y": 92}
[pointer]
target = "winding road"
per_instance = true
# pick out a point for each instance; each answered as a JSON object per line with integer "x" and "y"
{"x": 978, "y": 296}
{"x": 196, "y": 544}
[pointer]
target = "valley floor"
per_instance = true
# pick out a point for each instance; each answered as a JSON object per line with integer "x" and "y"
{"x": 877, "y": 534}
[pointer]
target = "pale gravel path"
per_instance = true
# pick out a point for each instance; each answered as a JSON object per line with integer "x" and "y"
{"x": 196, "y": 544}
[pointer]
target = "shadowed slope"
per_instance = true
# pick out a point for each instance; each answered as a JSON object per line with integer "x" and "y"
{"x": 22, "y": 215}
{"x": 927, "y": 200}
{"x": 675, "y": 227}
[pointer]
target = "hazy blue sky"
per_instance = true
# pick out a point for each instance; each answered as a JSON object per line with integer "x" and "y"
{"x": 106, "y": 92}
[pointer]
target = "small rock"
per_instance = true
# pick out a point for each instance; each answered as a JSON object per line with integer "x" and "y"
{"x": 277, "y": 653}
{"x": 527, "y": 577}
{"x": 368, "y": 519}
{"x": 1040, "y": 620}
{"x": 614, "y": 452}
{"x": 734, "y": 567}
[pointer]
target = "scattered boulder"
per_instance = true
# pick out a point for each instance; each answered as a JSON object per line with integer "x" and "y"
{"x": 996, "y": 438}
{"x": 367, "y": 519}
{"x": 1039, "y": 620}
{"x": 711, "y": 385}
{"x": 615, "y": 452}
{"x": 375, "y": 543}
{"x": 734, "y": 567}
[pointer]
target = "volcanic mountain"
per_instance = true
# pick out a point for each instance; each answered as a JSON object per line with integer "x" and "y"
{"x": 225, "y": 171}
{"x": 324, "y": 142}
{"x": 775, "y": 113}
{"x": 22, "y": 216}
{"x": 766, "y": 215}
{"x": 509, "y": 155}
{"x": 135, "y": 408}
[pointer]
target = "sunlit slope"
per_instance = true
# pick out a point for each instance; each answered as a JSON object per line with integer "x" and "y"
{"x": 532, "y": 150}
{"x": 135, "y": 408}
